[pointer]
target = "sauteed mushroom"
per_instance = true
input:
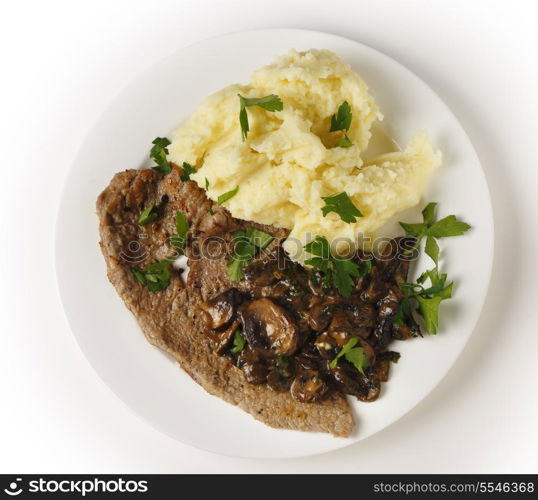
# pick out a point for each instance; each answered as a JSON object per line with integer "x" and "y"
{"x": 220, "y": 310}
{"x": 308, "y": 387}
{"x": 295, "y": 327}
{"x": 253, "y": 366}
{"x": 266, "y": 325}
{"x": 280, "y": 375}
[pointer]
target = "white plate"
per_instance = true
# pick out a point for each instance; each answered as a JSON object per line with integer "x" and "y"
{"x": 147, "y": 380}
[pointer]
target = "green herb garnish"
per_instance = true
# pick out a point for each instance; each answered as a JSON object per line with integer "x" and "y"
{"x": 428, "y": 299}
{"x": 355, "y": 355}
{"x": 269, "y": 103}
{"x": 226, "y": 196}
{"x": 206, "y": 184}
{"x": 246, "y": 245}
{"x": 239, "y": 342}
{"x": 155, "y": 276}
{"x": 335, "y": 271}
{"x": 186, "y": 170}
{"x": 179, "y": 239}
{"x": 342, "y": 205}
{"x": 341, "y": 121}
{"x": 158, "y": 154}
{"x": 433, "y": 230}
{"x": 150, "y": 214}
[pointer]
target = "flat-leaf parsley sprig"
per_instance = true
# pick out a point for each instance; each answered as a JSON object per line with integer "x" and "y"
{"x": 428, "y": 298}
{"x": 433, "y": 229}
{"x": 246, "y": 246}
{"x": 270, "y": 103}
{"x": 343, "y": 206}
{"x": 335, "y": 271}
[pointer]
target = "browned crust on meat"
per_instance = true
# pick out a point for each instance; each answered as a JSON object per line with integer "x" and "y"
{"x": 170, "y": 319}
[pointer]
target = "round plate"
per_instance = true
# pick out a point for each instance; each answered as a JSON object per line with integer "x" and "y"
{"x": 151, "y": 383}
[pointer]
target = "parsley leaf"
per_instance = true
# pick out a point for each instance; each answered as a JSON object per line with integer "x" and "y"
{"x": 187, "y": 170}
{"x": 319, "y": 247}
{"x": 344, "y": 142}
{"x": 343, "y": 273}
{"x": 179, "y": 239}
{"x": 427, "y": 299}
{"x": 357, "y": 358}
{"x": 342, "y": 119}
{"x": 432, "y": 230}
{"x": 343, "y": 206}
{"x": 258, "y": 238}
{"x": 158, "y": 153}
{"x": 206, "y": 184}
{"x": 155, "y": 276}
{"x": 226, "y": 196}
{"x": 246, "y": 245}
{"x": 335, "y": 271}
{"x": 239, "y": 342}
{"x": 449, "y": 226}
{"x": 270, "y": 103}
{"x": 432, "y": 249}
{"x": 235, "y": 269}
{"x": 355, "y": 355}
{"x": 429, "y": 309}
{"x": 150, "y": 214}
{"x": 349, "y": 345}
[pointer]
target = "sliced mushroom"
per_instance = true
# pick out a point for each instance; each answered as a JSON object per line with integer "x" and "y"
{"x": 319, "y": 313}
{"x": 363, "y": 316}
{"x": 224, "y": 338}
{"x": 308, "y": 386}
{"x": 388, "y": 307}
{"x": 350, "y": 381}
{"x": 253, "y": 366}
{"x": 220, "y": 310}
{"x": 281, "y": 374}
{"x": 266, "y": 325}
{"x": 381, "y": 370}
{"x": 309, "y": 358}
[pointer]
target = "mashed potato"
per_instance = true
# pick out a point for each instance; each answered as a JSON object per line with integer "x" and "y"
{"x": 289, "y": 160}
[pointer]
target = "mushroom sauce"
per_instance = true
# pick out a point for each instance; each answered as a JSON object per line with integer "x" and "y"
{"x": 282, "y": 326}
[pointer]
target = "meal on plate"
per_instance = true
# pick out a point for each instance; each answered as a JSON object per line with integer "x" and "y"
{"x": 249, "y": 251}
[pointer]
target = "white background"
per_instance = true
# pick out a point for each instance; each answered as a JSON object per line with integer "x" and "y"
{"x": 62, "y": 64}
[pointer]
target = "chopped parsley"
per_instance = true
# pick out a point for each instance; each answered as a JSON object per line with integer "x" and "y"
{"x": 179, "y": 239}
{"x": 335, "y": 271}
{"x": 186, "y": 170}
{"x": 343, "y": 206}
{"x": 155, "y": 276}
{"x": 355, "y": 355}
{"x": 239, "y": 342}
{"x": 341, "y": 121}
{"x": 270, "y": 103}
{"x": 150, "y": 214}
{"x": 158, "y": 153}
{"x": 246, "y": 245}
{"x": 226, "y": 196}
